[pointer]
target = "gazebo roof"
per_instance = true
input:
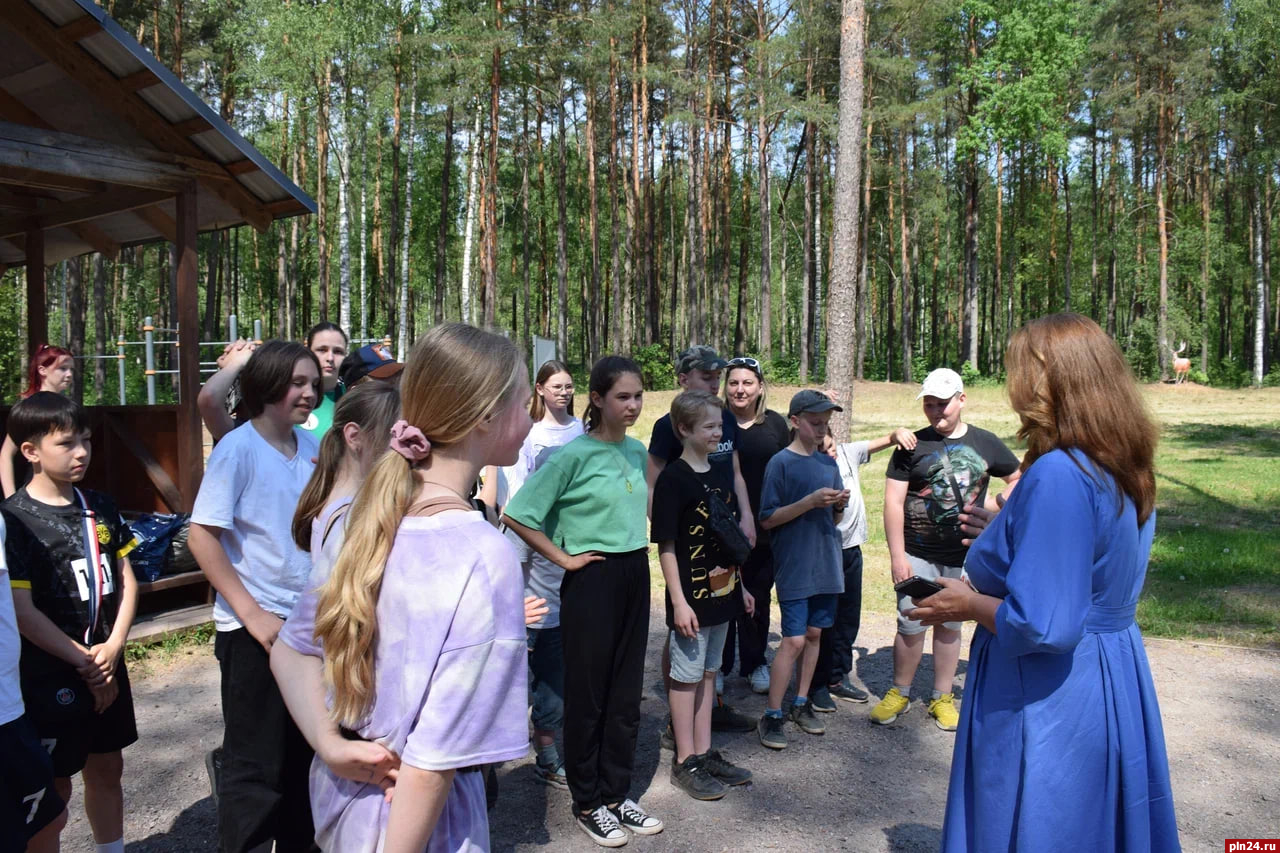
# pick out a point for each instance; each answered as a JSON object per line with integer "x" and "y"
{"x": 97, "y": 137}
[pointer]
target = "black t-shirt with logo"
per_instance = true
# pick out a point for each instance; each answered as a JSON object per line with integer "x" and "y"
{"x": 45, "y": 547}
{"x": 680, "y": 512}
{"x": 666, "y": 446}
{"x": 931, "y": 517}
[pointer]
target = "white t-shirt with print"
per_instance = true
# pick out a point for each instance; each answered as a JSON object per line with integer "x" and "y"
{"x": 251, "y": 490}
{"x": 853, "y": 524}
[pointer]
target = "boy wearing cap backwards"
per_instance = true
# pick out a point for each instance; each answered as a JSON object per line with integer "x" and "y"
{"x": 699, "y": 369}
{"x": 373, "y": 361}
{"x": 801, "y": 502}
{"x": 925, "y": 491}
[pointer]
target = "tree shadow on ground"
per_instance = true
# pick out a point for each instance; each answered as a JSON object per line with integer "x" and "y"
{"x": 1235, "y": 439}
{"x": 195, "y": 828}
{"x": 875, "y": 671}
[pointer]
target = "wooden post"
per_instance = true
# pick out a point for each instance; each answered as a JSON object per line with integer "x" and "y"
{"x": 37, "y": 314}
{"x": 190, "y": 435}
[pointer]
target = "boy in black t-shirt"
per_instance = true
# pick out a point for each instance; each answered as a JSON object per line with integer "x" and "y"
{"x": 704, "y": 592}
{"x": 925, "y": 491}
{"x": 74, "y": 595}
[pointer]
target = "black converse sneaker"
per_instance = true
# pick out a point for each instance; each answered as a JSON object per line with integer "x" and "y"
{"x": 602, "y": 827}
{"x": 632, "y": 817}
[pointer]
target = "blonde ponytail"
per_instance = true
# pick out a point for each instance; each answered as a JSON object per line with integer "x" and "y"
{"x": 455, "y": 377}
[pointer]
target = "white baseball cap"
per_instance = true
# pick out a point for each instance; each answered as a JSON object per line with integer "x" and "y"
{"x": 943, "y": 383}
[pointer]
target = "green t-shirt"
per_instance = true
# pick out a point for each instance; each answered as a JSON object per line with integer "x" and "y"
{"x": 589, "y": 496}
{"x": 321, "y": 417}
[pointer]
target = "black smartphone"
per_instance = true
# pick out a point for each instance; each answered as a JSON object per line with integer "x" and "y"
{"x": 917, "y": 587}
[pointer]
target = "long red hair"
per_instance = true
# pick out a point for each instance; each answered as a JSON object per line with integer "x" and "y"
{"x": 1071, "y": 387}
{"x": 45, "y": 356}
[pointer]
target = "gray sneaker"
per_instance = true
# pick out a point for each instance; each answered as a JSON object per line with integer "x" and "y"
{"x": 820, "y": 700}
{"x": 693, "y": 777}
{"x": 846, "y": 691}
{"x": 770, "y": 731}
{"x": 803, "y": 716}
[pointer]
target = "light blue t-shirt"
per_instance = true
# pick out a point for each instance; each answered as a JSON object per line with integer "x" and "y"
{"x": 251, "y": 490}
{"x": 806, "y": 550}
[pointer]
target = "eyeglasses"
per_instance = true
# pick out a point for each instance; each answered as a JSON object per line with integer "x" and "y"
{"x": 744, "y": 361}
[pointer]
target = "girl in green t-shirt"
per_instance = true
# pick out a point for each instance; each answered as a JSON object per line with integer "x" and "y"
{"x": 584, "y": 510}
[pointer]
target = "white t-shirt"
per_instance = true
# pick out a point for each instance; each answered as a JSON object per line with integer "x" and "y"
{"x": 853, "y": 524}
{"x": 251, "y": 490}
{"x": 11, "y": 707}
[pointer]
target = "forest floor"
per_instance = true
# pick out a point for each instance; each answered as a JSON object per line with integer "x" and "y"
{"x": 860, "y": 787}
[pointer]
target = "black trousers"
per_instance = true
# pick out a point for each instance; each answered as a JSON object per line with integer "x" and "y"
{"x": 604, "y": 623}
{"x": 752, "y": 632}
{"x": 263, "y": 794}
{"x": 835, "y": 652}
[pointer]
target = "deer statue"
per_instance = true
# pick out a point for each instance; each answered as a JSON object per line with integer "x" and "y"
{"x": 1181, "y": 366}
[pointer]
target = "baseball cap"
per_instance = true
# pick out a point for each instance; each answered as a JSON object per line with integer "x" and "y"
{"x": 699, "y": 357}
{"x": 810, "y": 400}
{"x": 943, "y": 383}
{"x": 371, "y": 360}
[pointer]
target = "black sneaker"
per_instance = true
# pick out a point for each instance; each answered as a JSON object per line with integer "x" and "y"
{"x": 632, "y": 817}
{"x": 770, "y": 731}
{"x": 668, "y": 739}
{"x": 602, "y": 827}
{"x": 820, "y": 700}
{"x": 803, "y": 716}
{"x": 846, "y": 691}
{"x": 730, "y": 774}
{"x": 693, "y": 777}
{"x": 725, "y": 719}
{"x": 213, "y": 766}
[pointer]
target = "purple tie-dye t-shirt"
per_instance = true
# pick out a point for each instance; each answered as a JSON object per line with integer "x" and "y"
{"x": 449, "y": 678}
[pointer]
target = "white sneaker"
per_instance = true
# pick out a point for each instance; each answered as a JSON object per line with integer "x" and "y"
{"x": 719, "y": 683}
{"x": 602, "y": 827}
{"x": 630, "y": 816}
{"x": 760, "y": 679}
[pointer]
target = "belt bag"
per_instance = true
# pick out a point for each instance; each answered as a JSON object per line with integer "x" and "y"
{"x": 724, "y": 528}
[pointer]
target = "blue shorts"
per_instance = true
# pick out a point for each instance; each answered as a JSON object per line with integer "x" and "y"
{"x": 816, "y": 611}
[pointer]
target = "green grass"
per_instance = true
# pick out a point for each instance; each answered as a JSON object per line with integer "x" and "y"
{"x": 1215, "y": 564}
{"x": 143, "y": 656}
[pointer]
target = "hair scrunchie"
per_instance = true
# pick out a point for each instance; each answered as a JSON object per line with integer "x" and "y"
{"x": 409, "y": 442}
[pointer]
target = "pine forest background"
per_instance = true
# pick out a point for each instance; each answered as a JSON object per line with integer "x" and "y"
{"x": 632, "y": 175}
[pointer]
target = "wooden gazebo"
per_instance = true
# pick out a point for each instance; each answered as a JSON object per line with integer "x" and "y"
{"x": 101, "y": 147}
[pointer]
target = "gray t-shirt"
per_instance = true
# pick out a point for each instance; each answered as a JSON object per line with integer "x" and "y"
{"x": 853, "y": 524}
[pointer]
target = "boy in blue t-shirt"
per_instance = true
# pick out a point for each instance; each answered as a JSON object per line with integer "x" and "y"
{"x": 801, "y": 501}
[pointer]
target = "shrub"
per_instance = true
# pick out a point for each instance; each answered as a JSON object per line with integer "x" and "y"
{"x": 656, "y": 369}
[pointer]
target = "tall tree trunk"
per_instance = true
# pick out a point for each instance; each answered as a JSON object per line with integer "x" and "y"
{"x": 762, "y": 167}
{"x": 446, "y": 216}
{"x": 1206, "y": 211}
{"x": 99, "y": 327}
{"x": 807, "y": 258}
{"x": 1112, "y": 259}
{"x": 402, "y": 348}
{"x": 344, "y": 212}
{"x": 74, "y": 309}
{"x": 1069, "y": 237}
{"x": 1260, "y": 289}
{"x": 905, "y": 327}
{"x": 615, "y": 267}
{"x": 526, "y": 260}
{"x": 840, "y": 341}
{"x": 593, "y": 228}
{"x": 860, "y": 301}
{"x": 969, "y": 322}
{"x": 489, "y": 248}
{"x": 562, "y": 228}
{"x": 397, "y": 97}
{"x": 1162, "y": 229}
{"x": 364, "y": 229}
{"x": 998, "y": 267}
{"x": 323, "y": 87}
{"x": 473, "y": 169}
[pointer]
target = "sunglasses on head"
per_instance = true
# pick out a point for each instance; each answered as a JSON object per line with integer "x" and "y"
{"x": 744, "y": 361}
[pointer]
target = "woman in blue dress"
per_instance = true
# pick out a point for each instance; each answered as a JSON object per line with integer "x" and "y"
{"x": 1060, "y": 742}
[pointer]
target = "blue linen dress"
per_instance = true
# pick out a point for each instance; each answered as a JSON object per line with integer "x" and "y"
{"x": 1060, "y": 744}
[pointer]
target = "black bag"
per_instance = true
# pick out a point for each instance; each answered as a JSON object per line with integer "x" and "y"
{"x": 724, "y": 527}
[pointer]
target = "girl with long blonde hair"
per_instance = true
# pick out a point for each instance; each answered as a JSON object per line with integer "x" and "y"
{"x": 421, "y": 620}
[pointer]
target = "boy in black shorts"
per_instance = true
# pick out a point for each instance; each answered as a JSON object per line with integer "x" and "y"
{"x": 74, "y": 595}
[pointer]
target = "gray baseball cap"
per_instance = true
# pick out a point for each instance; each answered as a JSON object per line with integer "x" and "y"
{"x": 810, "y": 400}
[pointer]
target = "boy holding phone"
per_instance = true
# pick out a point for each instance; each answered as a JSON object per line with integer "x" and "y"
{"x": 801, "y": 501}
{"x": 926, "y": 490}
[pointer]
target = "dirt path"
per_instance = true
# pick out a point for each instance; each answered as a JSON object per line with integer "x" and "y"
{"x": 859, "y": 787}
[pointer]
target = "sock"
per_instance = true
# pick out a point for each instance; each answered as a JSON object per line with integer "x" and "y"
{"x": 775, "y": 713}
{"x": 547, "y": 755}
{"x": 800, "y": 701}
{"x": 116, "y": 846}
{"x": 905, "y": 691}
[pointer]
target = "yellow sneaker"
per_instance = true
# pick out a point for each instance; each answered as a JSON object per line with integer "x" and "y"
{"x": 944, "y": 713}
{"x": 891, "y": 707}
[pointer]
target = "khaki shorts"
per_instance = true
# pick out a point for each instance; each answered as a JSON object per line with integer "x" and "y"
{"x": 928, "y": 571}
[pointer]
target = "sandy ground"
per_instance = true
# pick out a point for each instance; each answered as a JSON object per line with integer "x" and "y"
{"x": 859, "y": 787}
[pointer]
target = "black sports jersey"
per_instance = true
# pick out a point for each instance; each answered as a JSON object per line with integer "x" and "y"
{"x": 45, "y": 548}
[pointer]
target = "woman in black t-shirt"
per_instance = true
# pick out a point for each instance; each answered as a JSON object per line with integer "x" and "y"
{"x": 762, "y": 432}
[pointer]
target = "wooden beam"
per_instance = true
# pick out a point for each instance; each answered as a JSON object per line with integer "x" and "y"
{"x": 168, "y": 491}
{"x": 190, "y": 429}
{"x": 82, "y": 27}
{"x": 80, "y": 210}
{"x": 286, "y": 205}
{"x": 97, "y": 238}
{"x": 37, "y": 318}
{"x": 52, "y": 152}
{"x": 159, "y": 220}
{"x": 41, "y": 35}
{"x": 139, "y": 80}
{"x": 192, "y": 126}
{"x": 33, "y": 179}
{"x": 11, "y": 109}
{"x": 242, "y": 167}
